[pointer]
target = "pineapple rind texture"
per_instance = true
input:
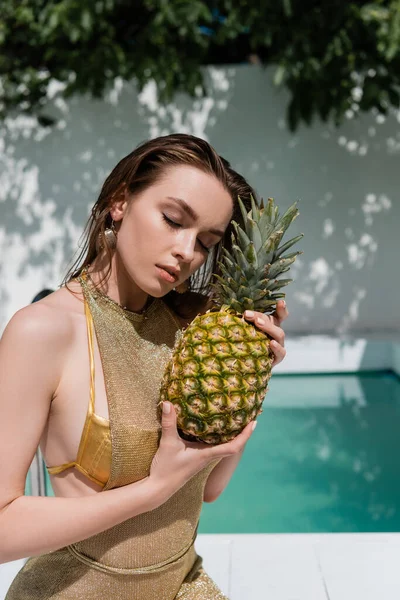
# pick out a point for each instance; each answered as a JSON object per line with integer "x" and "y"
{"x": 218, "y": 376}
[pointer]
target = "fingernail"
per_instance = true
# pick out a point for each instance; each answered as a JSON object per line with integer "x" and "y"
{"x": 254, "y": 425}
{"x": 259, "y": 321}
{"x": 166, "y": 408}
{"x": 284, "y": 304}
{"x": 273, "y": 343}
{"x": 249, "y": 313}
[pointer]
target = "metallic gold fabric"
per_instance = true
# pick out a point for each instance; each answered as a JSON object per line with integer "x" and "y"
{"x": 94, "y": 452}
{"x": 150, "y": 556}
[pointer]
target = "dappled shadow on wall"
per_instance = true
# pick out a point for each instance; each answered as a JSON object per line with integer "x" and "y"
{"x": 51, "y": 176}
{"x": 355, "y": 224}
{"x": 346, "y": 180}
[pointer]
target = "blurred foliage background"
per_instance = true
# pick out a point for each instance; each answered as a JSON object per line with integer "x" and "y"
{"x": 331, "y": 55}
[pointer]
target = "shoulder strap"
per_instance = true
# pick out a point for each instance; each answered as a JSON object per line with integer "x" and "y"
{"x": 60, "y": 468}
{"x": 89, "y": 323}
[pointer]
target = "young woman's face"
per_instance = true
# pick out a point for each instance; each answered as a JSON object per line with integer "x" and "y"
{"x": 167, "y": 231}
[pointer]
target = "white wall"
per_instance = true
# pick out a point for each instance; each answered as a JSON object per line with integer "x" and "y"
{"x": 347, "y": 281}
{"x": 396, "y": 358}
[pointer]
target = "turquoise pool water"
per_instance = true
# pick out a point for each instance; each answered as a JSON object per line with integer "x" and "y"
{"x": 325, "y": 457}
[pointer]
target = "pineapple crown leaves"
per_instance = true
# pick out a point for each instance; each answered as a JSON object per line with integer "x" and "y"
{"x": 249, "y": 272}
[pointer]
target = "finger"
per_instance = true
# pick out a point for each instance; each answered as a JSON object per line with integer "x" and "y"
{"x": 281, "y": 312}
{"x": 237, "y": 444}
{"x": 278, "y": 351}
{"x": 266, "y": 325}
{"x": 168, "y": 420}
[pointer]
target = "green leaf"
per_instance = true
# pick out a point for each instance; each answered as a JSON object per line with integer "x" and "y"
{"x": 251, "y": 255}
{"x": 254, "y": 208}
{"x": 243, "y": 211}
{"x": 314, "y": 51}
{"x": 288, "y": 245}
{"x": 287, "y": 7}
{"x": 279, "y": 75}
{"x": 242, "y": 239}
{"x": 254, "y": 234}
{"x": 277, "y": 284}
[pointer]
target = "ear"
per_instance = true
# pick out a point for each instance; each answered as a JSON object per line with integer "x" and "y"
{"x": 119, "y": 203}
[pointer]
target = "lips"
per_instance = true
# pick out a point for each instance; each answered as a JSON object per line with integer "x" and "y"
{"x": 171, "y": 270}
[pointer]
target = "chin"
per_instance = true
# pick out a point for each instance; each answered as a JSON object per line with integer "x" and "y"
{"x": 157, "y": 290}
{"x": 150, "y": 286}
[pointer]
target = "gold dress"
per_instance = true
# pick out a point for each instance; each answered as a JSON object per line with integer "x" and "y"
{"x": 150, "y": 556}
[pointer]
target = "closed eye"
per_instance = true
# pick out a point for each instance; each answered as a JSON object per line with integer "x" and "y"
{"x": 176, "y": 225}
{"x": 171, "y": 222}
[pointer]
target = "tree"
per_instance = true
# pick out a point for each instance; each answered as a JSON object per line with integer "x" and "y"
{"x": 331, "y": 55}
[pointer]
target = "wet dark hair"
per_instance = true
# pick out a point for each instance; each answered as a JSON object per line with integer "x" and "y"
{"x": 139, "y": 170}
{"x": 42, "y": 294}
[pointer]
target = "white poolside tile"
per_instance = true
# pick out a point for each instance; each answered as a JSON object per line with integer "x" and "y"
{"x": 364, "y": 567}
{"x": 275, "y": 568}
{"x": 7, "y": 573}
{"x": 216, "y": 553}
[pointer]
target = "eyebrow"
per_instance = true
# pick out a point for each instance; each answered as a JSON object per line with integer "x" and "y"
{"x": 192, "y": 214}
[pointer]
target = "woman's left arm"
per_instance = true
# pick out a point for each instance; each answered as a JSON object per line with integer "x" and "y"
{"x": 270, "y": 324}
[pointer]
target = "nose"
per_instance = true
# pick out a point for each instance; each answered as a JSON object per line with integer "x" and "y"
{"x": 184, "y": 248}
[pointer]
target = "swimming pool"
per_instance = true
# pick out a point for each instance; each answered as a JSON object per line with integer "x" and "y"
{"x": 325, "y": 457}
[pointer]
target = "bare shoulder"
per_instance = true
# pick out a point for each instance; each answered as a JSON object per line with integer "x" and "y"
{"x": 49, "y": 320}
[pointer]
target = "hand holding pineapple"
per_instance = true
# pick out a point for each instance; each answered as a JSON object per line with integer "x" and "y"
{"x": 177, "y": 460}
{"x": 219, "y": 372}
{"x": 271, "y": 326}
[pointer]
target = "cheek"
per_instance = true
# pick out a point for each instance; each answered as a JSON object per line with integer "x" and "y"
{"x": 198, "y": 262}
{"x": 144, "y": 233}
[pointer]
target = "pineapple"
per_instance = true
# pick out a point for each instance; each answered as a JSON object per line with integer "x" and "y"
{"x": 218, "y": 375}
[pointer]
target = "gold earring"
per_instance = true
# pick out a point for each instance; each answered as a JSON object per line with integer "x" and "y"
{"x": 110, "y": 236}
{"x": 182, "y": 288}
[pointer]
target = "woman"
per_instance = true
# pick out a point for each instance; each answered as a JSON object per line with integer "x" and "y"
{"x": 80, "y": 373}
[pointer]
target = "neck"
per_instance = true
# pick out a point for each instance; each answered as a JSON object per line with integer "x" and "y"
{"x": 118, "y": 285}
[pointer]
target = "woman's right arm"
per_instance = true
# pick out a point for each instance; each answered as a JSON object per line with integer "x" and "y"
{"x": 32, "y": 351}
